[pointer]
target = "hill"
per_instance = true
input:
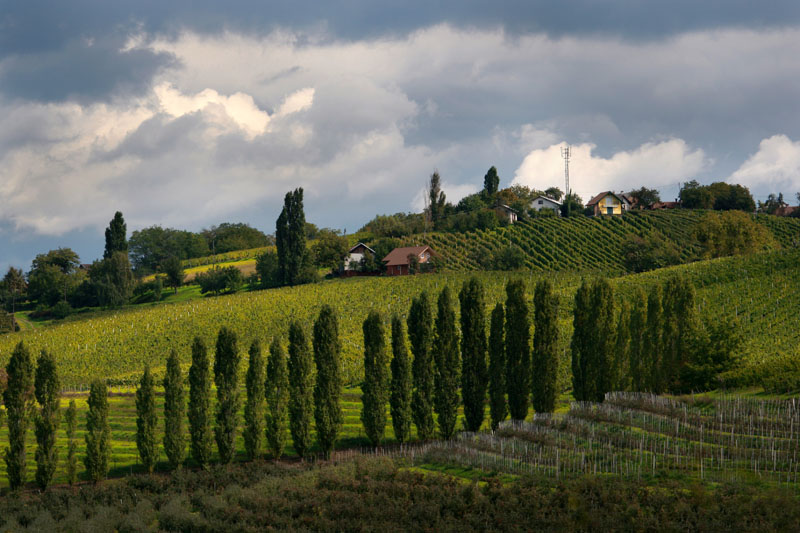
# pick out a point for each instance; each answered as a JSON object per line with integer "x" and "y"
{"x": 583, "y": 243}
{"x": 760, "y": 291}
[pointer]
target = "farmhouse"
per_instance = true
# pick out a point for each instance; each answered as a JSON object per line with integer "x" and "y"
{"x": 609, "y": 203}
{"x": 786, "y": 211}
{"x": 543, "y": 202}
{"x": 352, "y": 262}
{"x": 402, "y": 261}
{"x": 505, "y": 211}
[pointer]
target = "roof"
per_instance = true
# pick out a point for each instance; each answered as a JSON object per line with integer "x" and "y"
{"x": 399, "y": 256}
{"x": 786, "y": 210}
{"x": 543, "y": 197}
{"x": 505, "y": 207}
{"x": 665, "y": 205}
{"x": 351, "y": 250}
{"x": 596, "y": 199}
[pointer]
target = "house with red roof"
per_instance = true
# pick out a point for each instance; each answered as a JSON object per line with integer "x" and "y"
{"x": 407, "y": 260}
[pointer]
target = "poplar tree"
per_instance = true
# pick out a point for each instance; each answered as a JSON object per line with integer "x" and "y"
{"x": 679, "y": 330}
{"x": 498, "y": 407}
{"x": 277, "y": 396}
{"x": 580, "y": 345}
{"x": 474, "y": 376}
{"x": 47, "y": 394}
{"x": 447, "y": 364}
{"x": 620, "y": 372}
{"x": 328, "y": 386}
{"x": 518, "y": 351}
{"x": 653, "y": 348}
{"x": 545, "y": 348}
{"x": 146, "y": 421}
{"x": 374, "y": 389}
{"x": 254, "y": 408}
{"x": 72, "y": 444}
{"x": 226, "y": 377}
{"x": 200, "y": 404}
{"x": 18, "y": 398}
{"x": 602, "y": 340}
{"x": 400, "y": 397}
{"x": 174, "y": 412}
{"x": 300, "y": 389}
{"x": 637, "y": 335}
{"x": 290, "y": 238}
{"x": 116, "y": 236}
{"x": 420, "y": 333}
{"x": 98, "y": 432}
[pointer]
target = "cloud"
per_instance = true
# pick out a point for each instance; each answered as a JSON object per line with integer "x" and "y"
{"x": 775, "y": 167}
{"x": 652, "y": 164}
{"x": 453, "y": 194}
{"x": 235, "y": 119}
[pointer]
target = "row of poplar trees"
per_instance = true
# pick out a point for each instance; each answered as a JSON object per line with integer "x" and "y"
{"x": 449, "y": 369}
{"x": 32, "y": 393}
{"x": 280, "y": 392}
{"x": 648, "y": 343}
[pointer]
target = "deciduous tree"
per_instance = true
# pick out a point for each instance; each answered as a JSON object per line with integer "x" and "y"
{"x": 447, "y": 365}
{"x": 400, "y": 397}
{"x": 374, "y": 389}
{"x": 474, "y": 376}
{"x": 328, "y": 386}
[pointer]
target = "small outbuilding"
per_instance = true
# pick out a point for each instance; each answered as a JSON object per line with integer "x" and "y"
{"x": 506, "y": 212}
{"x": 408, "y": 260}
{"x": 355, "y": 255}
{"x": 544, "y": 202}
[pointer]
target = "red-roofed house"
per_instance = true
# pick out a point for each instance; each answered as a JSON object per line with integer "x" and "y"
{"x": 399, "y": 260}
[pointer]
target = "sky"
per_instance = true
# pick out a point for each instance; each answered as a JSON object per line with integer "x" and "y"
{"x": 188, "y": 114}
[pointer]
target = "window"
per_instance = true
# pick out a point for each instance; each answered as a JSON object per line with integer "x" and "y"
{"x": 609, "y": 210}
{"x": 541, "y": 202}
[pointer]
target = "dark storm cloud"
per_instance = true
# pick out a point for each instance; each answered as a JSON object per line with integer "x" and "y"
{"x": 55, "y": 50}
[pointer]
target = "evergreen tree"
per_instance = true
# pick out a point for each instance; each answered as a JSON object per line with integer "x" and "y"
{"x": 545, "y": 348}
{"x": 226, "y": 377}
{"x": 400, "y": 398}
{"x": 300, "y": 389}
{"x": 72, "y": 443}
{"x": 653, "y": 348}
{"x": 254, "y": 408}
{"x": 328, "y": 386}
{"x": 491, "y": 182}
{"x": 474, "y": 376}
{"x": 277, "y": 395}
{"x": 116, "y": 236}
{"x": 518, "y": 351}
{"x": 620, "y": 373}
{"x": 498, "y": 407}
{"x": 447, "y": 364}
{"x": 47, "y": 394}
{"x": 174, "y": 412}
{"x": 420, "y": 333}
{"x": 98, "y": 432}
{"x": 290, "y": 238}
{"x": 637, "y": 334}
{"x": 200, "y": 403}
{"x": 18, "y": 398}
{"x": 146, "y": 421}
{"x": 580, "y": 345}
{"x": 374, "y": 389}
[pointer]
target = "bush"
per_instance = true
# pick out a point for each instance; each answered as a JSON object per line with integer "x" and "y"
{"x": 509, "y": 258}
{"x": 781, "y": 375}
{"x": 219, "y": 280}
{"x": 61, "y": 310}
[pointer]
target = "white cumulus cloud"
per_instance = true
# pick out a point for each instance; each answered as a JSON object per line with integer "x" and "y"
{"x": 775, "y": 167}
{"x": 651, "y": 164}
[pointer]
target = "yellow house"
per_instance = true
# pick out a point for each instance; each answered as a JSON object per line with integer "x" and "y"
{"x": 609, "y": 203}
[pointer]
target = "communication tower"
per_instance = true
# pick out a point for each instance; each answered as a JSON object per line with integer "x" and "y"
{"x": 566, "y": 152}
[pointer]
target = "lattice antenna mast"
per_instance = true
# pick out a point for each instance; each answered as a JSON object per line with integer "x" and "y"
{"x": 566, "y": 152}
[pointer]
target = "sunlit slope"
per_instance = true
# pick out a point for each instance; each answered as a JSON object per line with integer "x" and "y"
{"x": 582, "y": 243}
{"x": 761, "y": 291}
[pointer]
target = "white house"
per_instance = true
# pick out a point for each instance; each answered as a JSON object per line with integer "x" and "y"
{"x": 505, "y": 211}
{"x": 355, "y": 255}
{"x": 543, "y": 202}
